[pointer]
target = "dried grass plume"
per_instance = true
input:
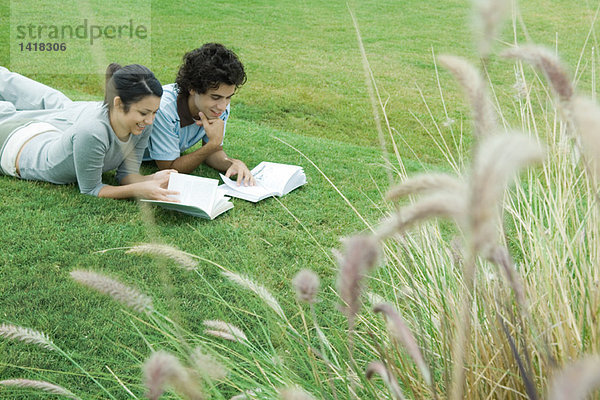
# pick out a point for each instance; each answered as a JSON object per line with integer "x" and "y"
{"x": 26, "y": 335}
{"x": 225, "y": 330}
{"x": 294, "y": 394}
{"x": 207, "y": 366}
{"x": 489, "y": 16}
{"x": 426, "y": 183}
{"x": 576, "y": 381}
{"x": 39, "y": 385}
{"x": 360, "y": 256}
{"x": 586, "y": 116}
{"x": 126, "y": 295}
{"x": 400, "y": 331}
{"x": 448, "y": 205}
{"x": 182, "y": 259}
{"x": 163, "y": 369}
{"x": 549, "y": 64}
{"x": 306, "y": 284}
{"x": 377, "y": 367}
{"x": 259, "y": 290}
{"x": 484, "y": 116}
{"x": 497, "y": 160}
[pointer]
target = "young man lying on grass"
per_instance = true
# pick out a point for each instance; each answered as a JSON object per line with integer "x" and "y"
{"x": 196, "y": 107}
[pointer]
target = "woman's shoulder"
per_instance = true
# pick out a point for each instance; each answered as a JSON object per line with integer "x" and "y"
{"x": 93, "y": 114}
{"x": 93, "y": 121}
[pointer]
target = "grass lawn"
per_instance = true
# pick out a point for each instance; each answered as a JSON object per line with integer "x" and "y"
{"x": 306, "y": 87}
{"x": 51, "y": 230}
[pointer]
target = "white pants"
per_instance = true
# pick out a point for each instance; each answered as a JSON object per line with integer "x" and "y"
{"x": 22, "y": 101}
{"x": 27, "y": 94}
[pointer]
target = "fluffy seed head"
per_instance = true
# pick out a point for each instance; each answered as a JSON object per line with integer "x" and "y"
{"x": 586, "y": 116}
{"x": 489, "y": 16}
{"x": 400, "y": 331}
{"x": 549, "y": 64}
{"x": 576, "y": 381}
{"x": 225, "y": 330}
{"x": 377, "y": 367}
{"x": 259, "y": 290}
{"x": 497, "y": 160}
{"x": 426, "y": 183}
{"x": 484, "y": 116}
{"x": 128, "y": 296}
{"x": 360, "y": 256}
{"x": 26, "y": 335}
{"x": 39, "y": 385}
{"x": 160, "y": 369}
{"x": 162, "y": 250}
{"x": 163, "y": 369}
{"x": 451, "y": 206}
{"x": 306, "y": 284}
{"x": 294, "y": 394}
{"x": 207, "y": 366}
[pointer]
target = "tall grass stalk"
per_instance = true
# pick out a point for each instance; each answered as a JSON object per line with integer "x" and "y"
{"x": 556, "y": 201}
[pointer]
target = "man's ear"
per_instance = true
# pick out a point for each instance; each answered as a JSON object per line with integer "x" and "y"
{"x": 192, "y": 92}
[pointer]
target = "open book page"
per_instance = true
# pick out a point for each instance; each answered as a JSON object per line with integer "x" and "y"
{"x": 194, "y": 190}
{"x": 222, "y": 203}
{"x": 296, "y": 180}
{"x": 275, "y": 176}
{"x": 198, "y": 196}
{"x": 272, "y": 179}
{"x": 257, "y": 191}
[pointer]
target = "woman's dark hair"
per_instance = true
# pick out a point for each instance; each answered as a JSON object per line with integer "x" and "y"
{"x": 131, "y": 83}
{"x": 209, "y": 66}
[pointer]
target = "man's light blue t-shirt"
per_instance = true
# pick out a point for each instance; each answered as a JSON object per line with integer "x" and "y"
{"x": 169, "y": 139}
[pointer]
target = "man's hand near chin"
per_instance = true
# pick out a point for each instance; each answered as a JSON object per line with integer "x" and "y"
{"x": 214, "y": 128}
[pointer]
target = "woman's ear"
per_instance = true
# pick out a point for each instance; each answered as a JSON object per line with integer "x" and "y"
{"x": 117, "y": 102}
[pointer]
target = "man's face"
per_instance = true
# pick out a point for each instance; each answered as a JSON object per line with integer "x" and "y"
{"x": 212, "y": 103}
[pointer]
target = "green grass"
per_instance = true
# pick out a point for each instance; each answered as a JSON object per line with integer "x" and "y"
{"x": 306, "y": 86}
{"x": 50, "y": 230}
{"x": 304, "y": 67}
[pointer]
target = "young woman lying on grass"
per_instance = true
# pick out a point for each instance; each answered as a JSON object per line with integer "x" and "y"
{"x": 45, "y": 136}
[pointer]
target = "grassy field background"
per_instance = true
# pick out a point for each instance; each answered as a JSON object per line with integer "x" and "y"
{"x": 304, "y": 67}
{"x": 305, "y": 86}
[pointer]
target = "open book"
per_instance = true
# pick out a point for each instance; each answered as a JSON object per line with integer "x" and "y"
{"x": 198, "y": 196}
{"x": 272, "y": 179}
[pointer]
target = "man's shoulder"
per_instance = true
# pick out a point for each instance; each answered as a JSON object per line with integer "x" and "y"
{"x": 169, "y": 96}
{"x": 167, "y": 112}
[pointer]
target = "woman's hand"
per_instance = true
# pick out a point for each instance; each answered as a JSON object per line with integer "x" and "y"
{"x": 149, "y": 187}
{"x": 156, "y": 189}
{"x": 155, "y": 186}
{"x": 160, "y": 175}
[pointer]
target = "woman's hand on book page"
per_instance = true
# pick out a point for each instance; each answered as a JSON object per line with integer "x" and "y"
{"x": 160, "y": 176}
{"x": 156, "y": 189}
{"x": 244, "y": 176}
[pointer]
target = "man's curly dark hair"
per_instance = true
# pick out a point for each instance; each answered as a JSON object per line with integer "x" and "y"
{"x": 207, "y": 67}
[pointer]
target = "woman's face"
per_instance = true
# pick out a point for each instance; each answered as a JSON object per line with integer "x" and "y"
{"x": 140, "y": 115}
